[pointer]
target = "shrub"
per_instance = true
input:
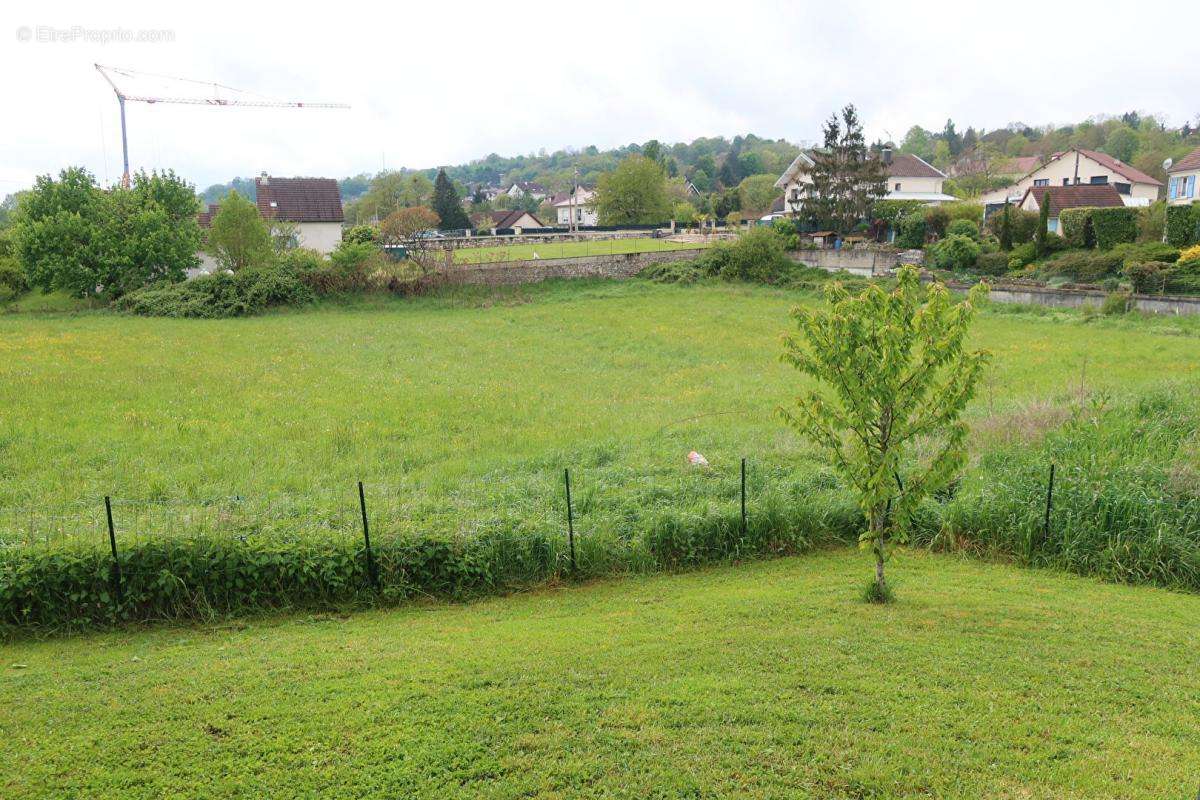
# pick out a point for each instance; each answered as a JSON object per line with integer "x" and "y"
{"x": 1022, "y": 255}
{"x": 787, "y": 229}
{"x": 361, "y": 234}
{"x": 1147, "y": 277}
{"x": 12, "y": 278}
{"x": 1077, "y": 227}
{"x": 1145, "y": 251}
{"x": 673, "y": 272}
{"x": 1114, "y": 226}
{"x": 757, "y": 255}
{"x": 956, "y": 253}
{"x": 893, "y": 212}
{"x": 968, "y": 210}
{"x": 1183, "y": 225}
{"x": 1084, "y": 266}
{"x": 1116, "y": 303}
{"x": 911, "y": 233}
{"x": 1190, "y": 254}
{"x": 936, "y": 220}
{"x": 223, "y": 294}
{"x": 963, "y": 227}
{"x": 1023, "y": 224}
{"x": 992, "y": 263}
{"x": 1152, "y": 222}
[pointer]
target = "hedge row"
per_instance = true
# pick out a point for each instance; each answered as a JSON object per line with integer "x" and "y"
{"x": 1183, "y": 225}
{"x": 178, "y": 578}
{"x": 1114, "y": 226}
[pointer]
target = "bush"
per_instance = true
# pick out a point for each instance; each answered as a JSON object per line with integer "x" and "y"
{"x": 223, "y": 294}
{"x": 1183, "y": 225}
{"x": 956, "y": 253}
{"x": 683, "y": 272}
{"x": 1116, "y": 303}
{"x": 963, "y": 227}
{"x": 992, "y": 263}
{"x": 936, "y": 220}
{"x": 1022, "y": 255}
{"x": 757, "y": 255}
{"x": 967, "y": 210}
{"x": 1190, "y": 254}
{"x": 1077, "y": 227}
{"x": 1145, "y": 251}
{"x": 787, "y": 229}
{"x": 1023, "y": 224}
{"x": 1114, "y": 226}
{"x": 1147, "y": 277}
{"x": 13, "y": 280}
{"x": 1084, "y": 266}
{"x": 911, "y": 233}
{"x": 361, "y": 234}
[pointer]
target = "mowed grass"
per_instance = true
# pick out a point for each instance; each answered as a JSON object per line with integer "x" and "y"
{"x": 565, "y": 249}
{"x": 464, "y": 393}
{"x": 763, "y": 680}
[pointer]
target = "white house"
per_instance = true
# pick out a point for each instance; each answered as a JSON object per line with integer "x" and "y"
{"x": 1078, "y": 166}
{"x": 908, "y": 178}
{"x": 581, "y": 204}
{"x": 517, "y": 220}
{"x": 527, "y": 189}
{"x": 1084, "y": 195}
{"x": 314, "y": 205}
{"x": 1182, "y": 179}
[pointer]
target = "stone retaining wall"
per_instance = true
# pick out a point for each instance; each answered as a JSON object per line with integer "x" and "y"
{"x": 865, "y": 263}
{"x": 1078, "y": 298}
{"x": 497, "y": 273}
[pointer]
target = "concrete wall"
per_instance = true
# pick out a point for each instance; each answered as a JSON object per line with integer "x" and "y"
{"x": 516, "y": 272}
{"x": 865, "y": 263}
{"x": 1078, "y": 298}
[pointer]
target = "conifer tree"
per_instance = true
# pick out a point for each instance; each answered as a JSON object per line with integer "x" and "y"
{"x": 846, "y": 179}
{"x": 1006, "y": 229}
{"x": 1040, "y": 238}
{"x": 447, "y": 205}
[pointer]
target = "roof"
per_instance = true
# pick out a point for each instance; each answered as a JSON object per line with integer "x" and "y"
{"x": 1105, "y": 160}
{"x": 529, "y": 187}
{"x": 1080, "y": 195}
{"x": 778, "y": 205}
{"x": 906, "y": 165}
{"x": 584, "y": 198}
{"x": 1188, "y": 163}
{"x": 506, "y": 219}
{"x": 299, "y": 199}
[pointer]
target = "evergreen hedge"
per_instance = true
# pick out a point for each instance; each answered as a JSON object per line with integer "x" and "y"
{"x": 1183, "y": 225}
{"x": 1114, "y": 226}
{"x": 1077, "y": 227}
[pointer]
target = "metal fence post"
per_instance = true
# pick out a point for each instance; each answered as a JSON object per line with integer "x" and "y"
{"x": 372, "y": 573}
{"x": 570, "y": 517}
{"x": 115, "y": 570}
{"x": 1049, "y": 506}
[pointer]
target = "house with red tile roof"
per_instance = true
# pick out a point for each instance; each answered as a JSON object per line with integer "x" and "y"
{"x": 1079, "y": 166}
{"x": 1182, "y": 178}
{"x": 1060, "y": 198}
{"x": 908, "y": 178}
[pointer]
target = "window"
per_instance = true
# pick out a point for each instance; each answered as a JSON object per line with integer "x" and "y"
{"x": 1099, "y": 180}
{"x": 1171, "y": 186}
{"x": 1066, "y": 181}
{"x": 1122, "y": 188}
{"x": 897, "y": 187}
{"x": 1191, "y": 186}
{"x": 1052, "y": 224}
{"x": 1042, "y": 182}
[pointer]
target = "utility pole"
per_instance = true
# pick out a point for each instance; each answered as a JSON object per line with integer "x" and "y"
{"x": 573, "y": 225}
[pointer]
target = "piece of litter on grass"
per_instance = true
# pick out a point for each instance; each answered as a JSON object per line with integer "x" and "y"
{"x": 697, "y": 460}
{"x": 19, "y": 666}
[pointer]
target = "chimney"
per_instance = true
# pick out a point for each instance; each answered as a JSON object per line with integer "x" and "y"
{"x": 887, "y": 156}
{"x": 265, "y": 180}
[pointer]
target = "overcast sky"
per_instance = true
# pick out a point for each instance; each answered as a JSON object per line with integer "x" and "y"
{"x": 434, "y": 83}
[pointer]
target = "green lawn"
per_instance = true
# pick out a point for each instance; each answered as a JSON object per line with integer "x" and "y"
{"x": 525, "y": 252}
{"x": 762, "y": 680}
{"x": 460, "y": 407}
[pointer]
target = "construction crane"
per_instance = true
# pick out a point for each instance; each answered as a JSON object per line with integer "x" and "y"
{"x": 213, "y": 99}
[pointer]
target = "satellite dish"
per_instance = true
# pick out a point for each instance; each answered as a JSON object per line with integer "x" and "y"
{"x": 1167, "y": 164}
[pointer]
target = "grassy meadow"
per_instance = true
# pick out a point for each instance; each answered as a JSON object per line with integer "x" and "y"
{"x": 765, "y": 680}
{"x": 464, "y": 408}
{"x": 564, "y": 249}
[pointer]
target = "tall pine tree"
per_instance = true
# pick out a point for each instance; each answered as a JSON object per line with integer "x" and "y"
{"x": 447, "y": 205}
{"x": 1041, "y": 238}
{"x": 1006, "y": 229}
{"x": 846, "y": 179}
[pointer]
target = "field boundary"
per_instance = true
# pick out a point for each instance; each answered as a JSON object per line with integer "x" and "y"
{"x": 617, "y": 266}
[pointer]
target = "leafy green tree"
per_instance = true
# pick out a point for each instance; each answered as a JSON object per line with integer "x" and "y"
{"x": 635, "y": 193}
{"x": 1122, "y": 143}
{"x": 1016, "y": 144}
{"x": 57, "y": 232}
{"x": 757, "y": 193}
{"x": 894, "y": 376}
{"x": 1040, "y": 239}
{"x": 918, "y": 142}
{"x": 729, "y": 176}
{"x": 447, "y": 205}
{"x": 150, "y": 232}
{"x": 951, "y": 138}
{"x": 846, "y": 179}
{"x": 238, "y": 237}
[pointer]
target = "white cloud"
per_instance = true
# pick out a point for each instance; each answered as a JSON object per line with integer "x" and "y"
{"x": 438, "y": 83}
